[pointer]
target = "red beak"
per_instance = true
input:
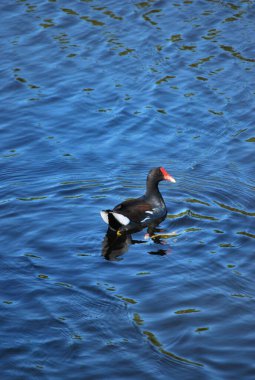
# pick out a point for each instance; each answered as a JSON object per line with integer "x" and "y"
{"x": 167, "y": 176}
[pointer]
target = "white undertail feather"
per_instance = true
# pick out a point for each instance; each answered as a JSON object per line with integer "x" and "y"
{"x": 121, "y": 218}
{"x": 104, "y": 216}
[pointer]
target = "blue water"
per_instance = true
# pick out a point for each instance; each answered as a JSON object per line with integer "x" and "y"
{"x": 95, "y": 94}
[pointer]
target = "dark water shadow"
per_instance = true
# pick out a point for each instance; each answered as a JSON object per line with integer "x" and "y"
{"x": 114, "y": 245}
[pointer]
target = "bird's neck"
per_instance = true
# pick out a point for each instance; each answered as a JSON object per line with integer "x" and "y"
{"x": 152, "y": 191}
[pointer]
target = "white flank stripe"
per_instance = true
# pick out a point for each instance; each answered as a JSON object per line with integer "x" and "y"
{"x": 145, "y": 219}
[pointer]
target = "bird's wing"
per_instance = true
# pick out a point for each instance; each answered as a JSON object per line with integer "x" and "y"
{"x": 137, "y": 210}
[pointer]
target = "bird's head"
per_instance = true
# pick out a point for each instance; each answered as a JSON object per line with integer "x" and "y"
{"x": 160, "y": 174}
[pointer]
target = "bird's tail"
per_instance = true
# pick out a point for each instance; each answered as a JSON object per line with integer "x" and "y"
{"x": 114, "y": 219}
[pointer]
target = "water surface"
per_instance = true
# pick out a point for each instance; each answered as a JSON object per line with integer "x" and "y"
{"x": 94, "y": 94}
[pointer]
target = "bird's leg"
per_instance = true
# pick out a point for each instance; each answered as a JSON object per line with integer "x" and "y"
{"x": 150, "y": 232}
{"x": 159, "y": 230}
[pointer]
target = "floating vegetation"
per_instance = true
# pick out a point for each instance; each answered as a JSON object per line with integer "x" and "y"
{"x": 155, "y": 342}
{"x": 192, "y": 214}
{"x": 76, "y": 337}
{"x": 165, "y": 235}
{"x": 233, "y": 6}
{"x": 22, "y": 80}
{"x": 32, "y": 199}
{"x": 62, "y": 38}
{"x": 217, "y": 113}
{"x": 233, "y": 18}
{"x": 48, "y": 23}
{"x": 187, "y": 311}
{"x": 143, "y": 4}
{"x": 207, "y": 13}
{"x": 111, "y": 289}
{"x": 194, "y": 200}
{"x": 234, "y": 209}
{"x": 202, "y": 78}
{"x": 159, "y": 47}
{"x": 201, "y": 329}
{"x": 127, "y": 51}
{"x": 73, "y": 196}
{"x": 12, "y": 153}
{"x": 188, "y": 47}
{"x": 113, "y": 15}
{"x": 165, "y": 79}
{"x": 69, "y": 11}
{"x": 104, "y": 110}
{"x": 32, "y": 256}
{"x": 201, "y": 61}
{"x": 226, "y": 245}
{"x": 241, "y": 295}
{"x": 247, "y": 234}
{"x": 235, "y": 53}
{"x": 175, "y": 38}
{"x": 147, "y": 18}
{"x": 126, "y": 299}
{"x": 152, "y": 338}
{"x": 43, "y": 276}
{"x": 137, "y": 319}
{"x": 230, "y": 19}
{"x": 93, "y": 22}
{"x": 161, "y": 110}
{"x": 64, "y": 284}
{"x": 192, "y": 229}
{"x": 33, "y": 86}
{"x": 252, "y": 139}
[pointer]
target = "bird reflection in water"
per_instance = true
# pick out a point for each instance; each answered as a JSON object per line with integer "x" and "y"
{"x": 115, "y": 245}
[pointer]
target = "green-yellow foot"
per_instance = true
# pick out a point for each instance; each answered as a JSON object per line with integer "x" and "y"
{"x": 166, "y": 235}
